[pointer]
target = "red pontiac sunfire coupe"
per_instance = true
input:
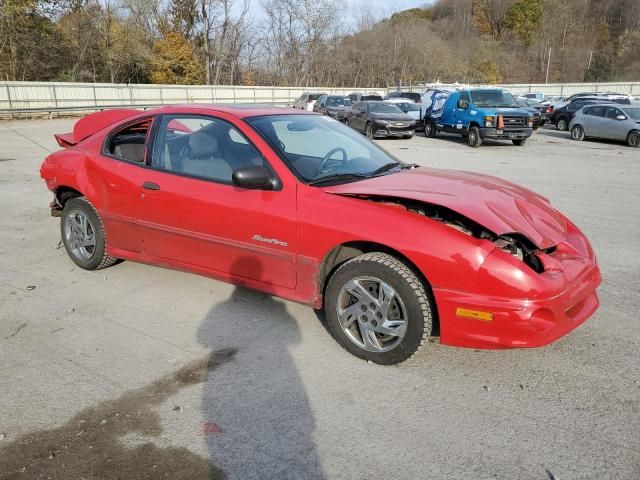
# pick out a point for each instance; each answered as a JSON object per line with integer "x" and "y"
{"x": 300, "y": 206}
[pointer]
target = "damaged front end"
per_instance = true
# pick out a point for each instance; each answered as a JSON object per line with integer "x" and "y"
{"x": 515, "y": 243}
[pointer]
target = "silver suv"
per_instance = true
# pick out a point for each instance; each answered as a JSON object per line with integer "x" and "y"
{"x": 614, "y": 122}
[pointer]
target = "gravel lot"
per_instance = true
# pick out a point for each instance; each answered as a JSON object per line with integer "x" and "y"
{"x": 108, "y": 374}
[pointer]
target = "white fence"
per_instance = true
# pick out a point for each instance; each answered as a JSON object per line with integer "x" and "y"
{"x": 16, "y": 97}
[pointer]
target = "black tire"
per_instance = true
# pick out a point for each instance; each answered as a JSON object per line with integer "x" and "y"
{"x": 633, "y": 138}
{"x": 96, "y": 257}
{"x": 368, "y": 131}
{"x": 563, "y": 124}
{"x": 412, "y": 293}
{"x": 430, "y": 129}
{"x": 577, "y": 133}
{"x": 520, "y": 143}
{"x": 474, "y": 139}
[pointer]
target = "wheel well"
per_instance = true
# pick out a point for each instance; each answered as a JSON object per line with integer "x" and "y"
{"x": 474, "y": 124}
{"x": 346, "y": 251}
{"x": 64, "y": 194}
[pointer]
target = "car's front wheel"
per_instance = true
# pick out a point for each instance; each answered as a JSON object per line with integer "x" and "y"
{"x": 474, "y": 138}
{"x": 577, "y": 133}
{"x": 83, "y": 235}
{"x": 378, "y": 309}
{"x": 369, "y": 131}
{"x": 633, "y": 139}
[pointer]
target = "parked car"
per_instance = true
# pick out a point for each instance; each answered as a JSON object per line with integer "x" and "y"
{"x": 479, "y": 114}
{"x": 414, "y": 96}
{"x": 539, "y": 96}
{"x": 525, "y": 105}
{"x": 307, "y": 100}
{"x": 561, "y": 116}
{"x": 334, "y": 106}
{"x": 613, "y": 122}
{"x": 364, "y": 97}
{"x": 621, "y": 98}
{"x": 378, "y": 119}
{"x": 410, "y": 108}
{"x": 301, "y": 207}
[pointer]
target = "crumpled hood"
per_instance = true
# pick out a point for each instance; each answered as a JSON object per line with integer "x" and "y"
{"x": 496, "y": 204}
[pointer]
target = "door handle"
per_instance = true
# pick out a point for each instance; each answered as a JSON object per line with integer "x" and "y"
{"x": 151, "y": 186}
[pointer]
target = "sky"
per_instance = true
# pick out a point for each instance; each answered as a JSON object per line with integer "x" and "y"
{"x": 379, "y": 8}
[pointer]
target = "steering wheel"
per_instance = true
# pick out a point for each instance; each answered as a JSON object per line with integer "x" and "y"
{"x": 328, "y": 156}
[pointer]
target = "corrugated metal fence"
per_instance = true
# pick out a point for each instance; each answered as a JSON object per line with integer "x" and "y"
{"x": 20, "y": 96}
{"x": 16, "y": 97}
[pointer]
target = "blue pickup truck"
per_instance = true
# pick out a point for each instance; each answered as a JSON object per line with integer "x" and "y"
{"x": 479, "y": 114}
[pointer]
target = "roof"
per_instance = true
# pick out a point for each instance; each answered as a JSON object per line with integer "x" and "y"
{"x": 240, "y": 110}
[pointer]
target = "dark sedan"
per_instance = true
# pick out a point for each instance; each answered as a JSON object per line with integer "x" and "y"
{"x": 535, "y": 111}
{"x": 381, "y": 119}
{"x": 335, "y": 106}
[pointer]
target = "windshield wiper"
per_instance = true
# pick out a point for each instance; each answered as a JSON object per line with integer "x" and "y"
{"x": 338, "y": 176}
{"x": 388, "y": 166}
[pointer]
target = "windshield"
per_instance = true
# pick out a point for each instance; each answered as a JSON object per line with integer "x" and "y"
{"x": 316, "y": 147}
{"x": 337, "y": 101}
{"x": 492, "y": 98}
{"x": 408, "y": 106}
{"x": 633, "y": 113}
{"x": 383, "y": 108}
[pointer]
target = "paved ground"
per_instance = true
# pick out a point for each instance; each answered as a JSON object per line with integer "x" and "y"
{"x": 111, "y": 374}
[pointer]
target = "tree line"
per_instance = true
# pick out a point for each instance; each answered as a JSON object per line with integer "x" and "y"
{"x": 318, "y": 42}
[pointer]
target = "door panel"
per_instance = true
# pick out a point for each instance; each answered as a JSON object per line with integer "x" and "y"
{"x": 119, "y": 169}
{"x": 241, "y": 232}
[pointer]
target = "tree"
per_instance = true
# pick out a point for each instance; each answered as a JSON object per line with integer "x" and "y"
{"x": 174, "y": 61}
{"x": 523, "y": 19}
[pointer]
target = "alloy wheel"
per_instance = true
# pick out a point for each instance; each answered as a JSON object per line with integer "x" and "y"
{"x": 80, "y": 235}
{"x": 577, "y": 133}
{"x": 371, "y": 314}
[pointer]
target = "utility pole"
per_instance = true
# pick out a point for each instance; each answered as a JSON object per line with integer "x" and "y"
{"x": 546, "y": 79}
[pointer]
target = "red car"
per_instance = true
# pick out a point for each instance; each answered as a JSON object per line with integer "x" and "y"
{"x": 300, "y": 206}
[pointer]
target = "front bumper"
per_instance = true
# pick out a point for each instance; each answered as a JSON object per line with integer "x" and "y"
{"x": 517, "y": 323}
{"x": 515, "y": 134}
{"x": 391, "y": 131}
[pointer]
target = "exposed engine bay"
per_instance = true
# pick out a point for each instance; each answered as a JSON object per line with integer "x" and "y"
{"x": 514, "y": 243}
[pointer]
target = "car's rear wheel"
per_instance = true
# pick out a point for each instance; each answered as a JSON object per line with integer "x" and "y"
{"x": 563, "y": 124}
{"x": 378, "y": 309}
{"x": 520, "y": 143}
{"x": 577, "y": 133}
{"x": 474, "y": 138}
{"x": 83, "y": 235}
{"x": 430, "y": 129}
{"x": 633, "y": 139}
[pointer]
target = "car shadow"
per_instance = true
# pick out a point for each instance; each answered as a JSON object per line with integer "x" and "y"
{"x": 262, "y": 425}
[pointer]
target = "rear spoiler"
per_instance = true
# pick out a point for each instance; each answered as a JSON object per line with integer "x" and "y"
{"x": 92, "y": 123}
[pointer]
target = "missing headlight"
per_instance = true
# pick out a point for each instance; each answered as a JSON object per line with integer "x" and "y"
{"x": 522, "y": 249}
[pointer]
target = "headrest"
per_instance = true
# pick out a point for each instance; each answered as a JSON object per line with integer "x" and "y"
{"x": 203, "y": 145}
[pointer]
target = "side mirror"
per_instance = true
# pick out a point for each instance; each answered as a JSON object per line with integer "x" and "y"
{"x": 253, "y": 176}
{"x": 621, "y": 117}
{"x": 463, "y": 104}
